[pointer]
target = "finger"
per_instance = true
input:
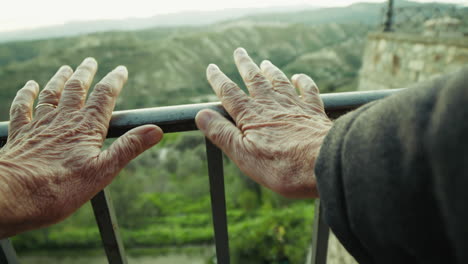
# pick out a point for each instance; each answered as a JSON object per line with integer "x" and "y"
{"x": 253, "y": 78}
{"x": 53, "y": 90}
{"x": 125, "y": 149}
{"x": 220, "y": 131}
{"x": 21, "y": 107}
{"x": 102, "y": 100}
{"x": 76, "y": 88}
{"x": 280, "y": 82}
{"x": 309, "y": 90}
{"x": 232, "y": 97}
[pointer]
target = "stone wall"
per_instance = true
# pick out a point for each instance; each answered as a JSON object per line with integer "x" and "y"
{"x": 396, "y": 60}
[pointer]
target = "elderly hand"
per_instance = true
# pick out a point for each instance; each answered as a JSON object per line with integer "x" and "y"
{"x": 277, "y": 135}
{"x": 53, "y": 163}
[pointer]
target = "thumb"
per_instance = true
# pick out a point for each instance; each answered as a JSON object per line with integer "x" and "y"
{"x": 219, "y": 130}
{"x": 128, "y": 147}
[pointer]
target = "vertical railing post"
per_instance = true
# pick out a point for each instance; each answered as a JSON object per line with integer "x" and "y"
{"x": 389, "y": 17}
{"x": 319, "y": 237}
{"x": 7, "y": 252}
{"x": 218, "y": 202}
{"x": 108, "y": 227}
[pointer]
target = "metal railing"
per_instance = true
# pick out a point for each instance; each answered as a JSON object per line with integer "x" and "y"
{"x": 178, "y": 119}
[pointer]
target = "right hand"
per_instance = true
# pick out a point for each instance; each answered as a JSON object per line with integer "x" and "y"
{"x": 277, "y": 135}
{"x": 53, "y": 162}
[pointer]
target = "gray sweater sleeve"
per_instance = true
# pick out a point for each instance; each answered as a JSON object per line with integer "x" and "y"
{"x": 393, "y": 176}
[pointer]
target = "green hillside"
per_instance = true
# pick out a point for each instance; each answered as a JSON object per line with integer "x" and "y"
{"x": 167, "y": 66}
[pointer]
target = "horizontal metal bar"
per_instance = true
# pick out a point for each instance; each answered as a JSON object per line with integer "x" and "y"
{"x": 181, "y": 117}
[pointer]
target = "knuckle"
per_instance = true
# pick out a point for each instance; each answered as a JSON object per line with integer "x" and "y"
{"x": 280, "y": 81}
{"x": 25, "y": 92}
{"x": 76, "y": 84}
{"x": 20, "y": 104}
{"x": 254, "y": 76}
{"x": 219, "y": 133}
{"x": 72, "y": 99}
{"x": 135, "y": 140}
{"x": 49, "y": 95}
{"x": 240, "y": 106}
{"x": 256, "y": 79}
{"x": 312, "y": 88}
{"x": 104, "y": 89}
{"x": 215, "y": 137}
{"x": 18, "y": 108}
{"x": 131, "y": 144}
{"x": 307, "y": 82}
{"x": 228, "y": 89}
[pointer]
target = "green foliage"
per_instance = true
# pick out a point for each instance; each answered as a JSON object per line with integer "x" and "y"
{"x": 274, "y": 236}
{"x": 266, "y": 236}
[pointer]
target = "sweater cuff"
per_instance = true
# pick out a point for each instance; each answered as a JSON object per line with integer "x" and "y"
{"x": 328, "y": 171}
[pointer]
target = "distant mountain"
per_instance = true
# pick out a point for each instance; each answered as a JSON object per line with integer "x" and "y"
{"x": 367, "y": 13}
{"x": 193, "y": 18}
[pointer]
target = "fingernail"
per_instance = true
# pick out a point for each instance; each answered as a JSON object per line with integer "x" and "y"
{"x": 241, "y": 51}
{"x": 297, "y": 77}
{"x": 121, "y": 68}
{"x": 294, "y": 77}
{"x": 212, "y": 67}
{"x": 89, "y": 60}
{"x": 203, "y": 119}
{"x": 265, "y": 63}
{"x": 66, "y": 68}
{"x": 152, "y": 135}
{"x": 31, "y": 84}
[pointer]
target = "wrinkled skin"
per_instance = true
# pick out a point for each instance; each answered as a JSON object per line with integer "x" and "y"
{"x": 277, "y": 134}
{"x": 53, "y": 162}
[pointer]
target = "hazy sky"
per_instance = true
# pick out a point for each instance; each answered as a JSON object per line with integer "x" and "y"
{"x": 19, "y": 14}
